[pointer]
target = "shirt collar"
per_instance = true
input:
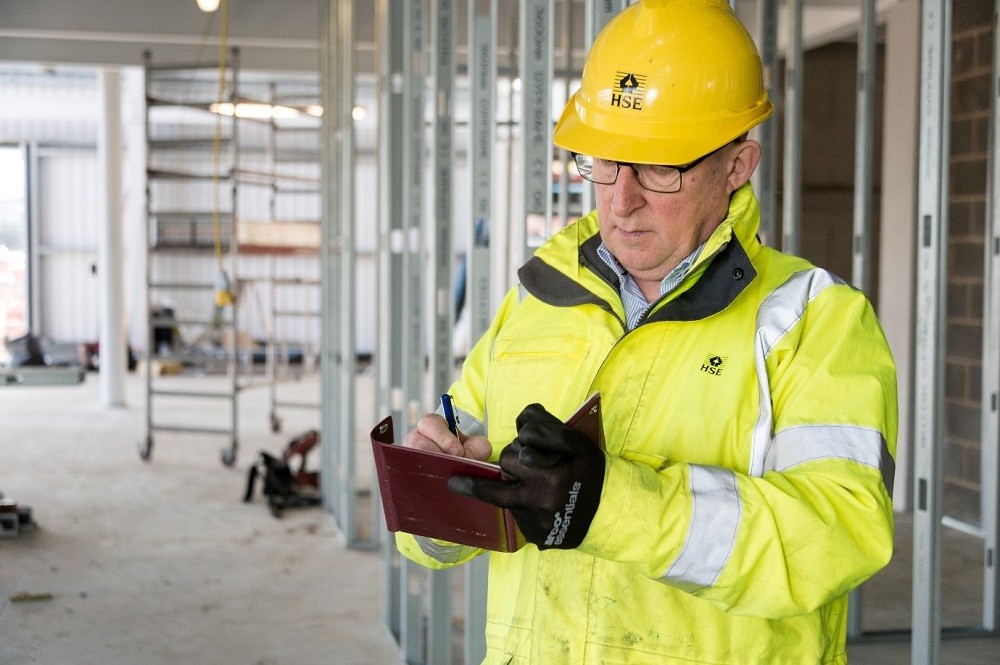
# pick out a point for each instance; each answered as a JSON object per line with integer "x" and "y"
{"x": 667, "y": 284}
{"x": 633, "y": 300}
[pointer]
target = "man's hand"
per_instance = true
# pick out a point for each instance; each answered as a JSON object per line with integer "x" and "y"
{"x": 432, "y": 434}
{"x": 554, "y": 480}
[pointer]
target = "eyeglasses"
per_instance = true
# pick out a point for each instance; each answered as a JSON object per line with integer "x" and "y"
{"x": 654, "y": 177}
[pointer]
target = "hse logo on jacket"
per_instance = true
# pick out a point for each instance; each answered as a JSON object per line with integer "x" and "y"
{"x": 750, "y": 422}
{"x": 713, "y": 365}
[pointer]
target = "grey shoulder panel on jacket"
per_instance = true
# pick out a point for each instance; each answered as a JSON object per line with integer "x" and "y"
{"x": 725, "y": 278}
{"x": 728, "y": 274}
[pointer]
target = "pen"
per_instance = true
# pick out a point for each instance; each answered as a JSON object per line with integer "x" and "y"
{"x": 449, "y": 413}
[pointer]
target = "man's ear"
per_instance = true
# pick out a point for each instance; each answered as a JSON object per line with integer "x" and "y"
{"x": 743, "y": 162}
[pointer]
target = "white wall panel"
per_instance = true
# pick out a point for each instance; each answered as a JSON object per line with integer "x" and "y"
{"x": 69, "y": 219}
{"x": 32, "y": 108}
{"x": 69, "y": 198}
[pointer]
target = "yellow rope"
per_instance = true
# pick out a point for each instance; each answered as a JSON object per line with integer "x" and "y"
{"x": 217, "y": 140}
{"x": 223, "y": 294}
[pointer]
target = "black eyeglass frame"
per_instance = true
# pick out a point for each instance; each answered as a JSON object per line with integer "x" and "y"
{"x": 681, "y": 170}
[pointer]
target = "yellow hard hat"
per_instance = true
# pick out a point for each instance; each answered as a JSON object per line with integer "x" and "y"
{"x": 666, "y": 82}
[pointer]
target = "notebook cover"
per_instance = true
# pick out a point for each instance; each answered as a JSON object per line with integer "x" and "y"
{"x": 415, "y": 497}
{"x": 587, "y": 420}
{"x": 414, "y": 488}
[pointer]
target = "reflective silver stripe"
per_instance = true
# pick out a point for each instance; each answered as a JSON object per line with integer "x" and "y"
{"x": 445, "y": 553}
{"x": 806, "y": 443}
{"x": 715, "y": 518}
{"x": 468, "y": 424}
{"x": 777, "y": 315}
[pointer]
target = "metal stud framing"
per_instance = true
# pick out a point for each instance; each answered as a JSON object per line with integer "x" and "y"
{"x": 597, "y": 15}
{"x": 329, "y": 264}
{"x": 482, "y": 70}
{"x": 443, "y": 17}
{"x": 863, "y": 196}
{"x": 337, "y": 253}
{"x": 390, "y": 249}
{"x": 536, "y": 115}
{"x": 990, "y": 455}
{"x": 932, "y": 236}
{"x": 412, "y": 637}
{"x": 482, "y": 102}
{"x": 765, "y": 183}
{"x": 790, "y": 226}
{"x": 863, "y": 149}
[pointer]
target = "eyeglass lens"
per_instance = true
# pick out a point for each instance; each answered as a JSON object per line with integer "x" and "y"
{"x": 653, "y": 177}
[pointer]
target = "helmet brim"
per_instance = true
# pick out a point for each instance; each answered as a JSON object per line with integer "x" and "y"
{"x": 589, "y": 131}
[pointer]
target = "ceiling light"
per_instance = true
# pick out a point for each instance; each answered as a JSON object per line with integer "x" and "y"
{"x": 254, "y": 110}
{"x": 208, "y": 5}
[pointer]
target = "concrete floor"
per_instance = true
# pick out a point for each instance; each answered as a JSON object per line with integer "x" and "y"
{"x": 887, "y": 605}
{"x": 161, "y": 562}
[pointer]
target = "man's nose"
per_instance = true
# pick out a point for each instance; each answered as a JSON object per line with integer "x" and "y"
{"x": 627, "y": 195}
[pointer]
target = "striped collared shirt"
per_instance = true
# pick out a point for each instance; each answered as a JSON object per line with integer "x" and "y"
{"x": 635, "y": 303}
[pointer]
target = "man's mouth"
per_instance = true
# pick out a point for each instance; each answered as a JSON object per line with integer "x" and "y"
{"x": 634, "y": 233}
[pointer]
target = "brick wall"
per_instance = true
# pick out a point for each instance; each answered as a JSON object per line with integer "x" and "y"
{"x": 970, "y": 118}
{"x": 829, "y": 122}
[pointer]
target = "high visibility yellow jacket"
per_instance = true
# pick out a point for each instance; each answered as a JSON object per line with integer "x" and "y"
{"x": 750, "y": 423}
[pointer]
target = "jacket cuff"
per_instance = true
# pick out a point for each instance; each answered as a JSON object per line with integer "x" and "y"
{"x": 618, "y": 478}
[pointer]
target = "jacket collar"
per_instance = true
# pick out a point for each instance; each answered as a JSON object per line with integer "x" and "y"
{"x": 566, "y": 271}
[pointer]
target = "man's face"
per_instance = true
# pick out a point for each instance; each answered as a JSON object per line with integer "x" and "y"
{"x": 650, "y": 233}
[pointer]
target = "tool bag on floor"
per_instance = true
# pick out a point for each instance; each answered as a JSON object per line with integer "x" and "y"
{"x": 26, "y": 351}
{"x": 283, "y": 486}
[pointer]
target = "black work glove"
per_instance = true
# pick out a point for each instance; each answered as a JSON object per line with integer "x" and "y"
{"x": 553, "y": 477}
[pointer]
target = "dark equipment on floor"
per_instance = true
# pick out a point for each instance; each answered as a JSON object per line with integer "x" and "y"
{"x": 285, "y": 487}
{"x": 13, "y": 518}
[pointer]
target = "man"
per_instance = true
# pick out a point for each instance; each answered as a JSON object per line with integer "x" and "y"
{"x": 749, "y": 398}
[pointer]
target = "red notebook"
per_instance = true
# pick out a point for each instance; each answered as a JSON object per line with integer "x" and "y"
{"x": 415, "y": 497}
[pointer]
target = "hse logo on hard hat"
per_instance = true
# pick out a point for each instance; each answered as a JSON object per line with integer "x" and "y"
{"x": 627, "y": 90}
